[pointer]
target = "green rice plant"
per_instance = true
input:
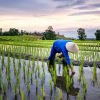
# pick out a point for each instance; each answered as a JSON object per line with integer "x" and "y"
{"x": 8, "y": 60}
{"x": 24, "y": 69}
{"x": 28, "y": 86}
{"x": 22, "y": 95}
{"x": 38, "y": 68}
{"x": 42, "y": 76}
{"x": 68, "y": 83}
{"x": 84, "y": 81}
{"x": 0, "y": 96}
{"x": 99, "y": 83}
{"x": 19, "y": 80}
{"x": 50, "y": 83}
{"x": 14, "y": 59}
{"x": 59, "y": 61}
{"x": 43, "y": 70}
{"x": 15, "y": 88}
{"x": 8, "y": 77}
{"x": 19, "y": 59}
{"x": 42, "y": 60}
{"x": 51, "y": 71}
{"x": 3, "y": 57}
{"x": 39, "y": 98}
{"x": 43, "y": 92}
{"x": 0, "y": 78}
{"x": 84, "y": 85}
{"x": 60, "y": 94}
{"x": 79, "y": 96}
{"x": 4, "y": 87}
{"x": 27, "y": 76}
{"x": 94, "y": 71}
{"x": 36, "y": 82}
{"x": 64, "y": 71}
{"x": 35, "y": 71}
{"x": 28, "y": 67}
{"x": 31, "y": 73}
{"x": 54, "y": 77}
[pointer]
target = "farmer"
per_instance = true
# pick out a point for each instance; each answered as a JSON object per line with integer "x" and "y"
{"x": 63, "y": 46}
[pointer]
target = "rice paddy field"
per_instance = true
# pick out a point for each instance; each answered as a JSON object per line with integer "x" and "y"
{"x": 35, "y": 79}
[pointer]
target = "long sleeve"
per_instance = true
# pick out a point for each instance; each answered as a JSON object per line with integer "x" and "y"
{"x": 65, "y": 53}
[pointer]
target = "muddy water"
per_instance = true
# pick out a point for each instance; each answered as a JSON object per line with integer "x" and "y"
{"x": 93, "y": 90}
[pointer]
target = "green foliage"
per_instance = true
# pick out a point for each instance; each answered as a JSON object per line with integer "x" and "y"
{"x": 81, "y": 34}
{"x": 49, "y": 34}
{"x": 97, "y": 34}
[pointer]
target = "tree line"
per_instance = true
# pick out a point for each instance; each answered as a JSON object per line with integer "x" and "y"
{"x": 49, "y": 34}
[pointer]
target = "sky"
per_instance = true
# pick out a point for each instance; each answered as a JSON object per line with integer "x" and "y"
{"x": 65, "y": 16}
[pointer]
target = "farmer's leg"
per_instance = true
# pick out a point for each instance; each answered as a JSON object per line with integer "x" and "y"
{"x": 64, "y": 62}
{"x": 52, "y": 55}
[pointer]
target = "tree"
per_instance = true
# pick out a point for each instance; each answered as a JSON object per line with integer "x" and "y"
{"x": 13, "y": 32}
{"x": 0, "y": 31}
{"x": 22, "y": 32}
{"x": 97, "y": 34}
{"x": 81, "y": 34}
{"x": 49, "y": 34}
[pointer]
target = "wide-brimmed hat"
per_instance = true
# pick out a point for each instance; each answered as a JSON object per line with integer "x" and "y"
{"x": 72, "y": 47}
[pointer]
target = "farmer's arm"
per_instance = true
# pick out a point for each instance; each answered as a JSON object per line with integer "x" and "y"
{"x": 65, "y": 53}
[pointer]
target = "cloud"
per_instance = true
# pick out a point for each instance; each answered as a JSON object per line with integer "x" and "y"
{"x": 71, "y": 3}
{"x": 85, "y": 13}
{"x": 28, "y": 7}
{"x": 88, "y": 7}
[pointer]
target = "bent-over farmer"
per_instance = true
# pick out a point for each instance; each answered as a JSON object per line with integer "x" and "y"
{"x": 63, "y": 46}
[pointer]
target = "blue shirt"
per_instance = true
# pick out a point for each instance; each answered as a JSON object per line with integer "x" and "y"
{"x": 60, "y": 46}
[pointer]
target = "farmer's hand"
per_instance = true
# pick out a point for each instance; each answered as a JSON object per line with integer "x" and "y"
{"x": 73, "y": 72}
{"x": 60, "y": 56}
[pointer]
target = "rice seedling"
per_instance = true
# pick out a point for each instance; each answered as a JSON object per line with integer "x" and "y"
{"x": 0, "y": 96}
{"x": 27, "y": 76}
{"x": 50, "y": 83}
{"x": 60, "y": 94}
{"x": 80, "y": 70}
{"x": 0, "y": 78}
{"x": 28, "y": 67}
{"x": 54, "y": 77}
{"x": 59, "y": 61}
{"x": 99, "y": 82}
{"x": 43, "y": 70}
{"x": 64, "y": 71}
{"x": 68, "y": 83}
{"x": 43, "y": 92}
{"x": 35, "y": 71}
{"x": 79, "y": 96}
{"x": 42, "y": 77}
{"x": 39, "y": 98}
{"x": 8, "y": 76}
{"x": 94, "y": 72}
{"x": 31, "y": 73}
{"x": 22, "y": 95}
{"x": 84, "y": 85}
{"x": 36, "y": 82}
{"x": 2, "y": 61}
{"x": 33, "y": 62}
{"x": 28, "y": 86}
{"x": 15, "y": 88}
{"x": 19, "y": 80}
{"x": 24, "y": 69}
{"x": 4, "y": 87}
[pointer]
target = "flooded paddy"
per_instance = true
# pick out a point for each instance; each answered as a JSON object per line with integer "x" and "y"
{"x": 35, "y": 79}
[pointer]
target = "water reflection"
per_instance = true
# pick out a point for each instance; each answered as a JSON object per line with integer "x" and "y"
{"x": 61, "y": 82}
